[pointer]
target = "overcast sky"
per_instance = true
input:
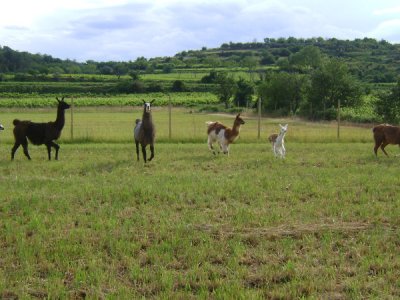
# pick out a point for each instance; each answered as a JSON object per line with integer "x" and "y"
{"x": 122, "y": 30}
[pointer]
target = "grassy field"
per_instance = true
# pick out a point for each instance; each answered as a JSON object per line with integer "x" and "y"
{"x": 323, "y": 223}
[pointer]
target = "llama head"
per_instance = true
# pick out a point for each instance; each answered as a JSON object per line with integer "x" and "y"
{"x": 62, "y": 104}
{"x": 1, "y": 127}
{"x": 239, "y": 120}
{"x": 283, "y": 128}
{"x": 147, "y": 105}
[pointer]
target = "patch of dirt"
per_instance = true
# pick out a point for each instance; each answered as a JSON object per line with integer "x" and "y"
{"x": 295, "y": 230}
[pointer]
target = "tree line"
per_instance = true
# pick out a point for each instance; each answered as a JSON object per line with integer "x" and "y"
{"x": 309, "y": 84}
{"x": 306, "y": 77}
{"x": 368, "y": 59}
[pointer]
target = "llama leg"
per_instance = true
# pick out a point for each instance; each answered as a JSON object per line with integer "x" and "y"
{"x": 274, "y": 148}
{"x": 283, "y": 151}
{"x": 48, "y": 146}
{"x": 57, "y": 147}
{"x": 25, "y": 146}
{"x": 14, "y": 149}
{"x": 144, "y": 153}
{"x": 225, "y": 148}
{"x": 137, "y": 150}
{"x": 210, "y": 145}
{"x": 384, "y": 144}
{"x": 152, "y": 152}
{"x": 376, "y": 149}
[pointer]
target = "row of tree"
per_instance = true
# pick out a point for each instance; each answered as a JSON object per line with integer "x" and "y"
{"x": 368, "y": 59}
{"x": 309, "y": 84}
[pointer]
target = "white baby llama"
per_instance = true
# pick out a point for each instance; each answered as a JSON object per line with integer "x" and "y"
{"x": 279, "y": 143}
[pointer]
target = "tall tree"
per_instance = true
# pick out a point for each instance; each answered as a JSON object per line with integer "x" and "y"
{"x": 308, "y": 58}
{"x": 283, "y": 91}
{"x": 329, "y": 84}
{"x": 388, "y": 104}
{"x": 226, "y": 88}
{"x": 244, "y": 92}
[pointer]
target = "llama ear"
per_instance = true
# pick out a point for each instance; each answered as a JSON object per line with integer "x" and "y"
{"x": 144, "y": 102}
{"x": 58, "y": 100}
{"x": 151, "y": 102}
{"x": 238, "y": 115}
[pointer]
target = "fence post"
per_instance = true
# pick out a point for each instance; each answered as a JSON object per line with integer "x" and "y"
{"x": 72, "y": 118}
{"x": 338, "y": 119}
{"x": 259, "y": 118}
{"x": 169, "y": 117}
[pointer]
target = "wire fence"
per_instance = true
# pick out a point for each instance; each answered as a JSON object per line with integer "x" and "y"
{"x": 178, "y": 125}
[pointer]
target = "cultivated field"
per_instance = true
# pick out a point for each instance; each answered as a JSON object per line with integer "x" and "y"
{"x": 323, "y": 223}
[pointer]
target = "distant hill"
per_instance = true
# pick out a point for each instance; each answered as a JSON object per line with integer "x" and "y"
{"x": 368, "y": 59}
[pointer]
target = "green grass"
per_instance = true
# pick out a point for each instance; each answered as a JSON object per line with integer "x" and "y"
{"x": 323, "y": 223}
{"x": 320, "y": 224}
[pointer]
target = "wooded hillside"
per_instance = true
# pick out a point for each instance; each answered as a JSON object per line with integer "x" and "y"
{"x": 368, "y": 59}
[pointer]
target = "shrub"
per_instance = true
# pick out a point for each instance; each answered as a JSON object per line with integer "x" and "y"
{"x": 178, "y": 86}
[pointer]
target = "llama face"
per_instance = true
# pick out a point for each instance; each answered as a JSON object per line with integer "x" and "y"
{"x": 62, "y": 104}
{"x": 283, "y": 128}
{"x": 239, "y": 120}
{"x": 1, "y": 127}
{"x": 147, "y": 105}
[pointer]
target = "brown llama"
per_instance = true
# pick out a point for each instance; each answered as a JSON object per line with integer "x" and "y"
{"x": 385, "y": 134}
{"x": 40, "y": 133}
{"x": 144, "y": 132}
{"x": 222, "y": 134}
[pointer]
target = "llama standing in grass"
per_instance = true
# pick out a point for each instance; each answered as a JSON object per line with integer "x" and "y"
{"x": 385, "y": 134}
{"x": 40, "y": 133}
{"x": 222, "y": 134}
{"x": 279, "y": 143}
{"x": 144, "y": 132}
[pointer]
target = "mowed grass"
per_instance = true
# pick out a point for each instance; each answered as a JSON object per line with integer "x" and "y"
{"x": 321, "y": 224}
{"x": 99, "y": 224}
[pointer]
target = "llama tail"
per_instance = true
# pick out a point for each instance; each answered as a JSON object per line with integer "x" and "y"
{"x": 209, "y": 123}
{"x": 16, "y": 122}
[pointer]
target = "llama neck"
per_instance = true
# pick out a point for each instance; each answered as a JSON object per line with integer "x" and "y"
{"x": 280, "y": 137}
{"x": 236, "y": 128}
{"x": 60, "y": 120}
{"x": 147, "y": 120}
{"x": 146, "y": 116}
{"x": 232, "y": 134}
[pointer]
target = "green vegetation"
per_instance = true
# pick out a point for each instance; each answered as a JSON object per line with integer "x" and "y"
{"x": 293, "y": 77}
{"x": 162, "y": 99}
{"x": 320, "y": 224}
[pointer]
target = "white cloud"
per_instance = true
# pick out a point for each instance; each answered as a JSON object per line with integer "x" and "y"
{"x": 126, "y": 29}
{"x": 387, "y": 11}
{"x": 387, "y": 30}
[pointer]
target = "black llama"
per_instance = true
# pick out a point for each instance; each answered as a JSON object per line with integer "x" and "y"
{"x": 144, "y": 132}
{"x": 40, "y": 133}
